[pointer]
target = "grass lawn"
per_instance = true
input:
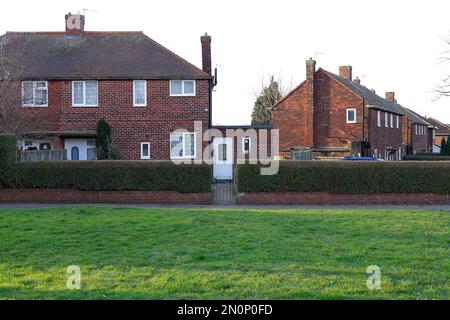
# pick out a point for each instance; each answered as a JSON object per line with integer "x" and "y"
{"x": 127, "y": 253}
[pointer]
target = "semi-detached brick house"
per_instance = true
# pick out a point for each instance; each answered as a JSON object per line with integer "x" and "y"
{"x": 71, "y": 79}
{"x": 334, "y": 115}
{"x": 441, "y": 131}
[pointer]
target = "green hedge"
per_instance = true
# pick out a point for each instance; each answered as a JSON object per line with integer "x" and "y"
{"x": 8, "y": 149}
{"x": 8, "y": 156}
{"x": 112, "y": 176}
{"x": 348, "y": 177}
{"x": 426, "y": 157}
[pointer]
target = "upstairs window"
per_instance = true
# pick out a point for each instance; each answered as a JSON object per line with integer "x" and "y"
{"x": 379, "y": 118}
{"x": 182, "y": 145}
{"x": 35, "y": 93}
{"x": 139, "y": 93}
{"x": 392, "y": 120}
{"x": 182, "y": 87}
{"x": 351, "y": 115}
{"x": 145, "y": 150}
{"x": 386, "y": 124}
{"x": 85, "y": 93}
{"x": 398, "y": 122}
{"x": 415, "y": 126}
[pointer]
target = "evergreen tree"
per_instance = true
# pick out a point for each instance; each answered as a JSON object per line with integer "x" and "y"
{"x": 106, "y": 148}
{"x": 443, "y": 147}
{"x": 262, "y": 109}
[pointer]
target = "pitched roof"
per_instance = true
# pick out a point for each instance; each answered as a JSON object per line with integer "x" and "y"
{"x": 441, "y": 128}
{"x": 95, "y": 55}
{"x": 376, "y": 101}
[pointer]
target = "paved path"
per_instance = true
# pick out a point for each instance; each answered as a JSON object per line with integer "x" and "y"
{"x": 233, "y": 206}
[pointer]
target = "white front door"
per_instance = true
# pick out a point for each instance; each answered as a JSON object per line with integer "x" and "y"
{"x": 76, "y": 149}
{"x": 223, "y": 158}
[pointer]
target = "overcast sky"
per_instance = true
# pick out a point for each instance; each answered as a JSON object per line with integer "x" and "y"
{"x": 392, "y": 45}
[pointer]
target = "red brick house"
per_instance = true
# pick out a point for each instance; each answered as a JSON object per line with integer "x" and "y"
{"x": 334, "y": 115}
{"x": 441, "y": 131}
{"x": 71, "y": 79}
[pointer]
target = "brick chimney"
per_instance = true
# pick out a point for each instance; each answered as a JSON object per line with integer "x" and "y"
{"x": 308, "y": 124}
{"x": 206, "y": 53}
{"x": 390, "y": 96}
{"x": 345, "y": 72}
{"x": 357, "y": 80}
{"x": 74, "y": 25}
{"x": 310, "y": 69}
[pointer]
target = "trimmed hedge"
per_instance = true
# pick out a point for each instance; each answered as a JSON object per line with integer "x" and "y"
{"x": 8, "y": 156}
{"x": 8, "y": 149}
{"x": 348, "y": 177}
{"x": 426, "y": 157}
{"x": 112, "y": 176}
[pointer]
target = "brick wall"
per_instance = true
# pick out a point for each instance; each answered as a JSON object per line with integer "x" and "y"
{"x": 76, "y": 196}
{"x": 330, "y": 114}
{"x": 130, "y": 125}
{"x": 419, "y": 142}
{"x": 323, "y": 198}
{"x": 382, "y": 137}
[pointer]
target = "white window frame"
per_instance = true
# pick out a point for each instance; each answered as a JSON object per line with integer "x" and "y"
{"x": 392, "y": 120}
{"x": 249, "y": 145}
{"x": 398, "y": 122}
{"x": 34, "y": 105}
{"x": 182, "y": 94}
{"x": 184, "y": 156}
{"x": 134, "y": 94}
{"x": 84, "y": 94}
{"x": 378, "y": 118}
{"x": 142, "y": 151}
{"x": 415, "y": 128}
{"x": 386, "y": 119}
{"x": 348, "y": 110}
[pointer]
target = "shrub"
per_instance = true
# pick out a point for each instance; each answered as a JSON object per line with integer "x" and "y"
{"x": 426, "y": 157}
{"x": 8, "y": 156}
{"x": 112, "y": 176}
{"x": 348, "y": 177}
{"x": 8, "y": 149}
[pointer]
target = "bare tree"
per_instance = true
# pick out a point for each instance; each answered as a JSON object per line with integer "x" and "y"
{"x": 443, "y": 89}
{"x": 12, "y": 118}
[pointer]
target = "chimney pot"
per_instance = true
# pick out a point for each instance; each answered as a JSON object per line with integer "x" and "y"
{"x": 345, "y": 72}
{"x": 206, "y": 53}
{"x": 357, "y": 80}
{"x": 74, "y": 24}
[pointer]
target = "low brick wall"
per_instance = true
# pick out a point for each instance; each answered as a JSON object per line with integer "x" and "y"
{"x": 324, "y": 198}
{"x": 76, "y": 196}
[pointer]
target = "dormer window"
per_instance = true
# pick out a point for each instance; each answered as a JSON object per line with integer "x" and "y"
{"x": 182, "y": 87}
{"x": 35, "y": 93}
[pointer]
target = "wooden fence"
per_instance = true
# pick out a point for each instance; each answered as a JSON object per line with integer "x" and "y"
{"x": 43, "y": 155}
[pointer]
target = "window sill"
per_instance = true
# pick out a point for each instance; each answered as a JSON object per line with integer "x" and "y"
{"x": 182, "y": 95}
{"x": 34, "y": 106}
{"x": 84, "y": 106}
{"x": 139, "y": 105}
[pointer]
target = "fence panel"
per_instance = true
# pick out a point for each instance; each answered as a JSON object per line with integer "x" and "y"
{"x": 43, "y": 155}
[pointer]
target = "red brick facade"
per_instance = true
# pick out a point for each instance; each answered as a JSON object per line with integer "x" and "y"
{"x": 130, "y": 125}
{"x": 314, "y": 115}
